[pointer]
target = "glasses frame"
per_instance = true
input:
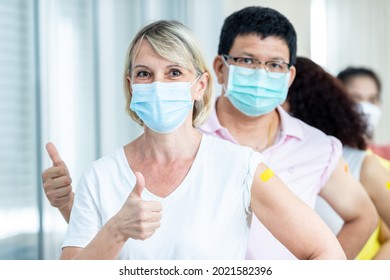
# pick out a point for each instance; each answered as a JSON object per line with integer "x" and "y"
{"x": 226, "y": 57}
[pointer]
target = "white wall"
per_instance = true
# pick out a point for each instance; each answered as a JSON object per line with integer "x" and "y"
{"x": 297, "y": 11}
{"x": 359, "y": 35}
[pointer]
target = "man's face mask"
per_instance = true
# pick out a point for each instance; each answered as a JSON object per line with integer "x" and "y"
{"x": 254, "y": 92}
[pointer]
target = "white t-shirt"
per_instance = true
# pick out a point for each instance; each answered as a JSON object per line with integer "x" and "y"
{"x": 206, "y": 217}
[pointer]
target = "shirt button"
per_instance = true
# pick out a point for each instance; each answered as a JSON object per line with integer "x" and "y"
{"x": 291, "y": 169}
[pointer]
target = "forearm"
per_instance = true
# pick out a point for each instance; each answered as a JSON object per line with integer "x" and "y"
{"x": 355, "y": 233}
{"x": 322, "y": 243}
{"x": 105, "y": 246}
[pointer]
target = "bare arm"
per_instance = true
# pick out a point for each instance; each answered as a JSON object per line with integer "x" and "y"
{"x": 351, "y": 202}
{"x": 291, "y": 221}
{"x": 57, "y": 183}
{"x": 137, "y": 219}
{"x": 375, "y": 177}
{"x": 384, "y": 239}
{"x": 105, "y": 246}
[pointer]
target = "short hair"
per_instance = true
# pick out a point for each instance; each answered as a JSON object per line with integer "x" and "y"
{"x": 175, "y": 42}
{"x": 321, "y": 100}
{"x": 350, "y": 73}
{"x": 261, "y": 21}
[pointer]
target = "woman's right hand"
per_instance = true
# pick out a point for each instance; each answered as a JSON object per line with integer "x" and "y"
{"x": 138, "y": 219}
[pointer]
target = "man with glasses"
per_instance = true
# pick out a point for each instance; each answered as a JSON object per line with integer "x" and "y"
{"x": 254, "y": 65}
{"x": 256, "y": 54}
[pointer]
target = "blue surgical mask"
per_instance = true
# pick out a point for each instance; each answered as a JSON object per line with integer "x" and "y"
{"x": 163, "y": 107}
{"x": 254, "y": 92}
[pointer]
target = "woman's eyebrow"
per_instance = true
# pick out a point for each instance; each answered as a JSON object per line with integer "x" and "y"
{"x": 140, "y": 66}
{"x": 175, "y": 66}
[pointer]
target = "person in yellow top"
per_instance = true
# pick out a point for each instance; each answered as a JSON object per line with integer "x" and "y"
{"x": 319, "y": 99}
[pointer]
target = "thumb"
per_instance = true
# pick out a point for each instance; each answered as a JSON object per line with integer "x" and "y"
{"x": 139, "y": 185}
{"x": 54, "y": 155}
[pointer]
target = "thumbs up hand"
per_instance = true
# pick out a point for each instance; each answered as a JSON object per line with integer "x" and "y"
{"x": 138, "y": 219}
{"x": 57, "y": 182}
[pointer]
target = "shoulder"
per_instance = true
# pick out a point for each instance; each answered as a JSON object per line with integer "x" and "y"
{"x": 311, "y": 138}
{"x": 310, "y": 147}
{"x": 106, "y": 165}
{"x": 102, "y": 174}
{"x": 371, "y": 166}
{"x": 225, "y": 153}
{"x": 226, "y": 148}
{"x": 307, "y": 135}
{"x": 313, "y": 134}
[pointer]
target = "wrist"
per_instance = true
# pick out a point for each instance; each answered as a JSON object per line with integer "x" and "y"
{"x": 68, "y": 206}
{"x": 114, "y": 229}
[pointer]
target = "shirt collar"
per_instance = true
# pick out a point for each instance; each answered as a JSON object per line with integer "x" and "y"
{"x": 289, "y": 125}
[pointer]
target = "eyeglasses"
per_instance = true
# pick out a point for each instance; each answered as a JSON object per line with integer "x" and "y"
{"x": 272, "y": 66}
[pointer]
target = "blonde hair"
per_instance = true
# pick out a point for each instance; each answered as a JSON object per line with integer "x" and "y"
{"x": 174, "y": 42}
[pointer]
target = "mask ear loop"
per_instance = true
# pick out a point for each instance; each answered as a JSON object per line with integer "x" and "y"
{"x": 196, "y": 80}
{"x": 228, "y": 66}
{"x": 225, "y": 61}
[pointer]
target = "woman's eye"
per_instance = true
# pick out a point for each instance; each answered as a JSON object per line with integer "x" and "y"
{"x": 373, "y": 100}
{"x": 174, "y": 73}
{"x": 143, "y": 74}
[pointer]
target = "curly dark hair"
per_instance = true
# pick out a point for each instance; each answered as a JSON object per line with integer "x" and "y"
{"x": 263, "y": 22}
{"x": 320, "y": 99}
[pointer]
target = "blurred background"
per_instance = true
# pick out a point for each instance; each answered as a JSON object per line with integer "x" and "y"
{"x": 61, "y": 65}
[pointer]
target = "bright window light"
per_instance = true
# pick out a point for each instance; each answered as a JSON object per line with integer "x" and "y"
{"x": 318, "y": 33}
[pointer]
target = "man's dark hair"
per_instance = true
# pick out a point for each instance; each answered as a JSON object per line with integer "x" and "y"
{"x": 352, "y": 72}
{"x": 261, "y": 21}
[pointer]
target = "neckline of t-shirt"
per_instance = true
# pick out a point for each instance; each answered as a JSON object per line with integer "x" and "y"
{"x": 147, "y": 195}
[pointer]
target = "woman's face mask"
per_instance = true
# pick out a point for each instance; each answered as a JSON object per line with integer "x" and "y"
{"x": 254, "y": 92}
{"x": 372, "y": 114}
{"x": 163, "y": 107}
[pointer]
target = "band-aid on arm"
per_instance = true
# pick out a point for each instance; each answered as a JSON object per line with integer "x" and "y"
{"x": 266, "y": 175}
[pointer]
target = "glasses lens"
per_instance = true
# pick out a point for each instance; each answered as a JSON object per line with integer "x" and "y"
{"x": 247, "y": 62}
{"x": 276, "y": 67}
